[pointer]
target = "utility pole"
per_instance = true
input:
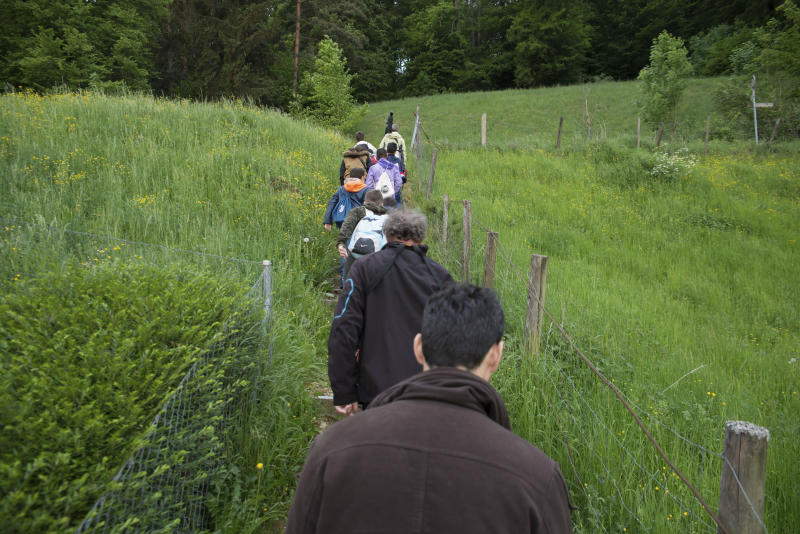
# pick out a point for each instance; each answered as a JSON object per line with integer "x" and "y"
{"x": 296, "y": 48}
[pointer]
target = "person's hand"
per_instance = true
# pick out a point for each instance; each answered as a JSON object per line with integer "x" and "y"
{"x": 348, "y": 409}
{"x": 327, "y": 227}
{"x": 342, "y": 251}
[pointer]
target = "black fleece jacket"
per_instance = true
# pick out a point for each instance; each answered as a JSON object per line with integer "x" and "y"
{"x": 370, "y": 343}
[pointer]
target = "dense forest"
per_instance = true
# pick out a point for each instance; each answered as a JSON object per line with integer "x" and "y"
{"x": 246, "y": 48}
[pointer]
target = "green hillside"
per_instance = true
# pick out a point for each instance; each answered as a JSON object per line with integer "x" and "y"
{"x": 674, "y": 271}
{"x": 529, "y": 118}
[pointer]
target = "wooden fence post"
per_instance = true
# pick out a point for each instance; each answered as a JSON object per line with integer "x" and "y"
{"x": 537, "y": 281}
{"x": 746, "y": 450}
{"x": 467, "y": 248}
{"x": 774, "y": 131}
{"x": 444, "y": 222}
{"x": 560, "y": 125}
{"x": 433, "y": 171}
{"x": 490, "y": 259}
{"x": 660, "y": 133}
{"x": 587, "y": 119}
{"x": 418, "y": 140}
{"x": 708, "y": 130}
{"x": 638, "y": 132}
{"x": 483, "y": 129}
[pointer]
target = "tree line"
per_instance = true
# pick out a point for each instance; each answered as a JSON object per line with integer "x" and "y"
{"x": 394, "y": 48}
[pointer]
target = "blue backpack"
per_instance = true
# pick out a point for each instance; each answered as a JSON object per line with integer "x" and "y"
{"x": 343, "y": 206}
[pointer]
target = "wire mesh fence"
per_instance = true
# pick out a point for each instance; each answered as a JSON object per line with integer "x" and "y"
{"x": 163, "y": 486}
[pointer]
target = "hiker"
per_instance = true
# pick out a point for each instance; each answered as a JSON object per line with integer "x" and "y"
{"x": 435, "y": 453}
{"x": 394, "y": 136}
{"x": 391, "y": 150}
{"x": 384, "y": 176}
{"x": 348, "y": 196}
{"x": 360, "y": 140}
{"x": 373, "y": 204}
{"x": 357, "y": 157}
{"x": 380, "y": 311}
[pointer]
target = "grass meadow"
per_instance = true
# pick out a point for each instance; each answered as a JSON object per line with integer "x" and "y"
{"x": 123, "y": 213}
{"x": 117, "y": 214}
{"x": 652, "y": 275}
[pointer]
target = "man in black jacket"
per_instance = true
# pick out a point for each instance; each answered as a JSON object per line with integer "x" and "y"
{"x": 370, "y": 346}
{"x": 434, "y": 453}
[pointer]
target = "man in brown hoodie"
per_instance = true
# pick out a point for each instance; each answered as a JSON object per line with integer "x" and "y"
{"x": 434, "y": 453}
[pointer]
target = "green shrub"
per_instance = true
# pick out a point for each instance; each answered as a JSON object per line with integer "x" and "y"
{"x": 89, "y": 354}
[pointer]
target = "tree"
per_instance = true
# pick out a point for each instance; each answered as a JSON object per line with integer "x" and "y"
{"x": 665, "y": 78}
{"x": 325, "y": 93}
{"x": 551, "y": 40}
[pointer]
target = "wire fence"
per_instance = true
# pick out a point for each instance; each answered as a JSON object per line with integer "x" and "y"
{"x": 163, "y": 486}
{"x": 628, "y": 472}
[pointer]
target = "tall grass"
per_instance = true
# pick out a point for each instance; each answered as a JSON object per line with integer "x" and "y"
{"x": 653, "y": 279}
{"x": 102, "y": 183}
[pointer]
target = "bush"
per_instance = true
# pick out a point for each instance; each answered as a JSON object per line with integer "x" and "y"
{"x": 77, "y": 347}
{"x": 672, "y": 167}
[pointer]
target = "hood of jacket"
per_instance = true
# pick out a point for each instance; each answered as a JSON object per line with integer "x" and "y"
{"x": 449, "y": 385}
{"x": 386, "y": 164}
{"x": 354, "y": 186}
{"x": 377, "y": 209}
{"x": 354, "y": 153}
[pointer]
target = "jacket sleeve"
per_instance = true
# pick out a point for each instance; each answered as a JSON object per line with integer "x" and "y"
{"x": 557, "y": 520}
{"x": 369, "y": 181}
{"x": 349, "y": 225}
{"x": 397, "y": 179}
{"x": 345, "y": 336}
{"x": 305, "y": 510}
{"x": 328, "y": 219}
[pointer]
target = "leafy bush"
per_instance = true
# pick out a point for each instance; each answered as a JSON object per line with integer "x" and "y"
{"x": 672, "y": 167}
{"x": 89, "y": 354}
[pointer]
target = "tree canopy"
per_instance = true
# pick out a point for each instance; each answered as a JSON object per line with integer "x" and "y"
{"x": 395, "y": 48}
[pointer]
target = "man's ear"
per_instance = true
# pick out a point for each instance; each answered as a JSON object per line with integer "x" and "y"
{"x": 494, "y": 356}
{"x": 418, "y": 350}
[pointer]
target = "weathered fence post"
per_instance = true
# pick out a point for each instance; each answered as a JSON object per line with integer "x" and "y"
{"x": 774, "y": 131}
{"x": 467, "y": 248}
{"x": 418, "y": 142}
{"x": 741, "y": 508}
{"x": 483, "y": 129}
{"x": 414, "y": 139}
{"x": 560, "y": 126}
{"x": 490, "y": 259}
{"x": 708, "y": 130}
{"x": 537, "y": 280}
{"x": 638, "y": 132}
{"x": 444, "y": 222}
{"x": 587, "y": 119}
{"x": 266, "y": 293}
{"x": 660, "y": 133}
{"x": 433, "y": 171}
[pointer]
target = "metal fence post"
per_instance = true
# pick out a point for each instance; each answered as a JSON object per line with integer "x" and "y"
{"x": 266, "y": 293}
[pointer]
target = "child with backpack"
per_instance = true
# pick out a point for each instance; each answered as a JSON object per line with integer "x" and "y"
{"x": 347, "y": 197}
{"x": 349, "y": 235}
{"x": 384, "y": 176}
